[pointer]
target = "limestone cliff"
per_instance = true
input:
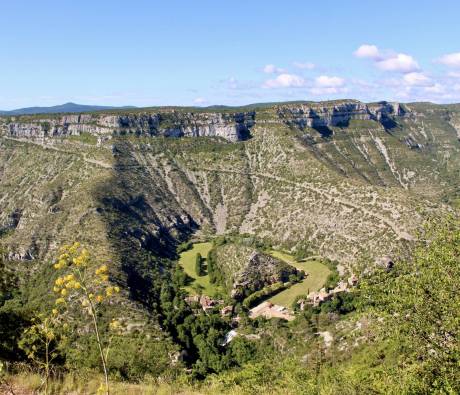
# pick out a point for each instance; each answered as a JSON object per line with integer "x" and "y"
{"x": 341, "y": 113}
{"x": 232, "y": 126}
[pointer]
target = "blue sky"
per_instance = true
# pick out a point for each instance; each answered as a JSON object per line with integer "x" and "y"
{"x": 209, "y": 52}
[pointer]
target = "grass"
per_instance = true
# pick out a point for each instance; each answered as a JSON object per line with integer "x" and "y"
{"x": 187, "y": 261}
{"x": 317, "y": 273}
{"x": 284, "y": 257}
{"x": 31, "y": 383}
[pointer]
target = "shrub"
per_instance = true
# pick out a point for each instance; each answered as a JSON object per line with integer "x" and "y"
{"x": 199, "y": 265}
{"x": 263, "y": 294}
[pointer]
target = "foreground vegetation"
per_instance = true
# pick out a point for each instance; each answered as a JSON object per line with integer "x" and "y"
{"x": 400, "y": 335}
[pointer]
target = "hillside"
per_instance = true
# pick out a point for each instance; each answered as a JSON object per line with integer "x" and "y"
{"x": 333, "y": 176}
{"x": 345, "y": 181}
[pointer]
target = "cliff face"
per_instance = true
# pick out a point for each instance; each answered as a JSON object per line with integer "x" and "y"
{"x": 230, "y": 126}
{"x": 340, "y": 114}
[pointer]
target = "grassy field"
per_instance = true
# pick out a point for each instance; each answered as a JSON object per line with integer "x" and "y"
{"x": 187, "y": 261}
{"x": 317, "y": 275}
{"x": 284, "y": 257}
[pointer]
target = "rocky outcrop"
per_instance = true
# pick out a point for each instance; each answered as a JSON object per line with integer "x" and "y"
{"x": 230, "y": 126}
{"x": 11, "y": 222}
{"x": 177, "y": 123}
{"x": 261, "y": 270}
{"x": 320, "y": 115}
{"x": 455, "y": 123}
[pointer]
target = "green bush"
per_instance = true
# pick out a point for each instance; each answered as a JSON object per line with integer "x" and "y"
{"x": 258, "y": 296}
{"x": 199, "y": 265}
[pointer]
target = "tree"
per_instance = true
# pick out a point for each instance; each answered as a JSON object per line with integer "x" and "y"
{"x": 7, "y": 279}
{"x": 211, "y": 267}
{"x": 199, "y": 265}
{"x": 420, "y": 303}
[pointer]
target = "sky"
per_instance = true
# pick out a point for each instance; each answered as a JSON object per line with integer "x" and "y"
{"x": 150, "y": 53}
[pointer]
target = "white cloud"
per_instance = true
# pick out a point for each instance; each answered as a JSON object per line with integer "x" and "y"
{"x": 450, "y": 60}
{"x": 304, "y": 66}
{"x": 454, "y": 74}
{"x": 399, "y": 62}
{"x": 199, "y": 100}
{"x": 329, "y": 82}
{"x": 367, "y": 51}
{"x": 328, "y": 85}
{"x": 388, "y": 60}
{"x": 272, "y": 69}
{"x": 416, "y": 79}
{"x": 285, "y": 81}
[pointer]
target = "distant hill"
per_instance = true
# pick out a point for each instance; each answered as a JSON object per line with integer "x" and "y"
{"x": 62, "y": 108}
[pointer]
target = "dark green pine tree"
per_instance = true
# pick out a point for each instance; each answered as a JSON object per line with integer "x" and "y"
{"x": 211, "y": 271}
{"x": 199, "y": 265}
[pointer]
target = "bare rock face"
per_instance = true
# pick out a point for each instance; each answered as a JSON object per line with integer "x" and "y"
{"x": 455, "y": 123}
{"x": 11, "y": 222}
{"x": 174, "y": 123}
{"x": 231, "y": 126}
{"x": 320, "y": 115}
{"x": 260, "y": 271}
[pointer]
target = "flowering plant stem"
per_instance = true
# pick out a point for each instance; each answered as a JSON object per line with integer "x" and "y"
{"x": 96, "y": 331}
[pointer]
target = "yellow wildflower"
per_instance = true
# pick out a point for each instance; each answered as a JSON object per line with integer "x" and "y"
{"x": 61, "y": 263}
{"x": 59, "y": 281}
{"x": 116, "y": 289}
{"x": 69, "y": 277}
{"x": 60, "y": 300}
{"x": 114, "y": 325}
{"x": 64, "y": 292}
{"x": 77, "y": 285}
{"x": 101, "y": 270}
{"x": 64, "y": 248}
{"x": 55, "y": 311}
{"x": 56, "y": 289}
{"x": 74, "y": 248}
{"x": 99, "y": 298}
